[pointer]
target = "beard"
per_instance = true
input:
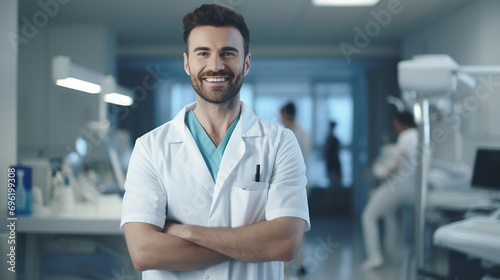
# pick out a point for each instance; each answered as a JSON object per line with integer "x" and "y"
{"x": 218, "y": 94}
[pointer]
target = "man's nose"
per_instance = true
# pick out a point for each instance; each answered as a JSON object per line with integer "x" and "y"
{"x": 215, "y": 63}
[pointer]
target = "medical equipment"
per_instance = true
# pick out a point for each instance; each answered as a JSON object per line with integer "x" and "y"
{"x": 486, "y": 167}
{"x": 477, "y": 236}
{"x": 423, "y": 78}
{"x": 66, "y": 73}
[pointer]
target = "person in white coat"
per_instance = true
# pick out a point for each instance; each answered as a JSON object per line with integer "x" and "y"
{"x": 216, "y": 193}
{"x": 287, "y": 116}
{"x": 397, "y": 189}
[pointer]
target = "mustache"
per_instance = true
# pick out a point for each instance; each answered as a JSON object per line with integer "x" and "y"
{"x": 218, "y": 73}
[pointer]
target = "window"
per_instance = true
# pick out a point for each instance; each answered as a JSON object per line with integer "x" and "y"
{"x": 334, "y": 103}
{"x": 272, "y": 96}
{"x": 182, "y": 94}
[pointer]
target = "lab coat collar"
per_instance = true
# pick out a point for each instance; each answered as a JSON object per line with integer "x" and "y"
{"x": 179, "y": 126}
{"x": 247, "y": 123}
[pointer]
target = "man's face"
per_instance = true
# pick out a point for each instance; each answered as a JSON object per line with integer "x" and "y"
{"x": 397, "y": 126}
{"x": 286, "y": 119}
{"x": 216, "y": 62}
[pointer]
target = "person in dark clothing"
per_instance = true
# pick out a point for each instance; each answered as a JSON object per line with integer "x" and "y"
{"x": 331, "y": 153}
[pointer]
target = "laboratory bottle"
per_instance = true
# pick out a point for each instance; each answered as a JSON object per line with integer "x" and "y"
{"x": 67, "y": 198}
{"x": 20, "y": 191}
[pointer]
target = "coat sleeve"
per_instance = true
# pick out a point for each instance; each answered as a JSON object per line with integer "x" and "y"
{"x": 145, "y": 199}
{"x": 287, "y": 191}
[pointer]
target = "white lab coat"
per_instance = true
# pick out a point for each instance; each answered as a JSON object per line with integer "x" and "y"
{"x": 304, "y": 140}
{"x": 168, "y": 179}
{"x": 405, "y": 176}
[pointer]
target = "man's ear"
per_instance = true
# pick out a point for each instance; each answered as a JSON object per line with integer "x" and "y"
{"x": 186, "y": 64}
{"x": 247, "y": 64}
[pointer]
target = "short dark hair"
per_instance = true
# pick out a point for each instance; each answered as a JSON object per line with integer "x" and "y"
{"x": 215, "y": 15}
{"x": 289, "y": 109}
{"x": 405, "y": 118}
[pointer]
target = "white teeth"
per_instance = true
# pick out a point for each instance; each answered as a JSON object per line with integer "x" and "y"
{"x": 215, "y": 79}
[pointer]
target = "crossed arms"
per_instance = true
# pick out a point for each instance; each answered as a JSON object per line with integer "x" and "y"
{"x": 180, "y": 247}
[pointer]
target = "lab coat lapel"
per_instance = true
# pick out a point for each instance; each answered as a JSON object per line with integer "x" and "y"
{"x": 235, "y": 149}
{"x": 189, "y": 154}
{"x": 232, "y": 155}
{"x": 190, "y": 157}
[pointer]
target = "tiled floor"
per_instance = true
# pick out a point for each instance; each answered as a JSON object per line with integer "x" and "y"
{"x": 333, "y": 250}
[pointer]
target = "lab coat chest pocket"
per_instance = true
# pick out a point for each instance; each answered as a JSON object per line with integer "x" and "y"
{"x": 248, "y": 203}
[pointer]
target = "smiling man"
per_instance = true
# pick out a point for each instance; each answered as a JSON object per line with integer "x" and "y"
{"x": 216, "y": 193}
{"x": 220, "y": 82}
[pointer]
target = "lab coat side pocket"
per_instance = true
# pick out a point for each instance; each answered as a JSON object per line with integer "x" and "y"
{"x": 248, "y": 203}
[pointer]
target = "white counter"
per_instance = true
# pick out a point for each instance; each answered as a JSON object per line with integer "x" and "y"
{"x": 476, "y": 236}
{"x": 86, "y": 219}
{"x": 89, "y": 219}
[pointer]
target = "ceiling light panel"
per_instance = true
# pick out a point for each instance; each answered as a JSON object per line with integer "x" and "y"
{"x": 344, "y": 2}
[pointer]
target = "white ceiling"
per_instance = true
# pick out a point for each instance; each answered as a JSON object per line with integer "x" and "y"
{"x": 148, "y": 26}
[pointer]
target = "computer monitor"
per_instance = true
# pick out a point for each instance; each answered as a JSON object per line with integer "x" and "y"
{"x": 486, "y": 173}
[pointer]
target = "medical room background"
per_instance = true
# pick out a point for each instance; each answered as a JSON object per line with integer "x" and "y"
{"x": 357, "y": 65}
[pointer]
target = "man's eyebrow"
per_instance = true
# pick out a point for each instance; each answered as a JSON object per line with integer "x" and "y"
{"x": 201, "y": 49}
{"x": 229, "y": 49}
{"x": 222, "y": 49}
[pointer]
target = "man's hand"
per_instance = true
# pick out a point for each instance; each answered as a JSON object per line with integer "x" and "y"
{"x": 275, "y": 240}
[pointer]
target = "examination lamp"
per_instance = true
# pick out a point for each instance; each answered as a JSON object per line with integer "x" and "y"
{"x": 427, "y": 74}
{"x": 116, "y": 94}
{"x": 437, "y": 74}
{"x": 344, "y": 2}
{"x": 70, "y": 75}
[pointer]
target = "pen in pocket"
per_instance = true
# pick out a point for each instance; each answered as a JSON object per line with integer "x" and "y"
{"x": 257, "y": 173}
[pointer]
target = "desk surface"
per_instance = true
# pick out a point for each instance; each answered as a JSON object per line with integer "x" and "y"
{"x": 476, "y": 236}
{"x": 455, "y": 200}
{"x": 86, "y": 219}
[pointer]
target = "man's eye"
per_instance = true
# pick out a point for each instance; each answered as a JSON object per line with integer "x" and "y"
{"x": 227, "y": 54}
{"x": 202, "y": 53}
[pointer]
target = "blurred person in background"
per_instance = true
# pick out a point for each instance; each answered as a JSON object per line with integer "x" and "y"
{"x": 397, "y": 189}
{"x": 287, "y": 114}
{"x": 331, "y": 153}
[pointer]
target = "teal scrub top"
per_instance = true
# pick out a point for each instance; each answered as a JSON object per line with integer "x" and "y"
{"x": 211, "y": 154}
